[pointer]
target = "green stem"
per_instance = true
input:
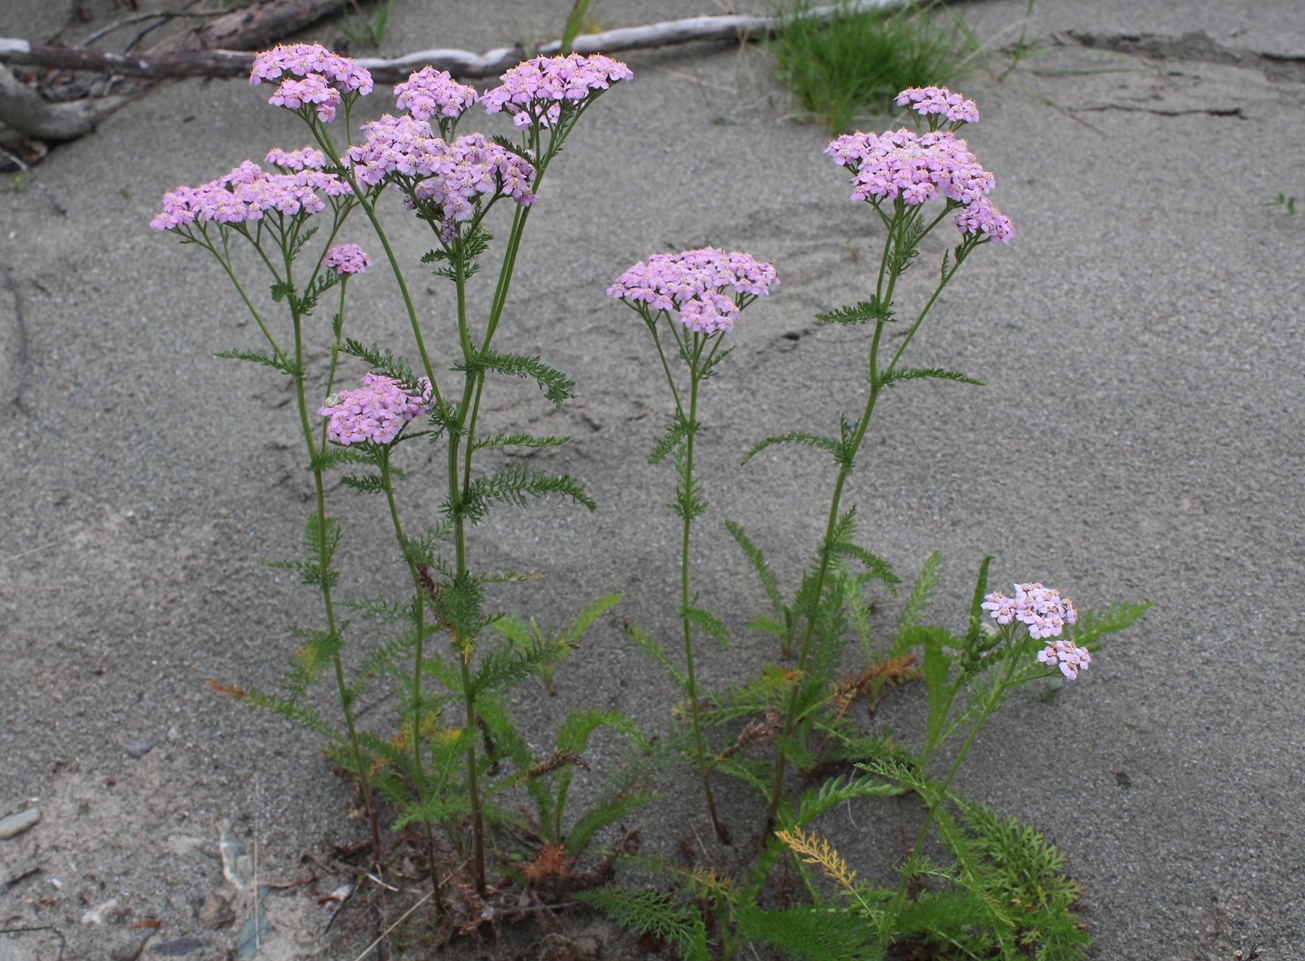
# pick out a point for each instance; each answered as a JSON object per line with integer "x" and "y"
{"x": 323, "y": 563}
{"x": 415, "y": 696}
{"x": 686, "y": 508}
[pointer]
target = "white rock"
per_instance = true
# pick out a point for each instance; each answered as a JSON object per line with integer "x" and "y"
{"x": 16, "y": 824}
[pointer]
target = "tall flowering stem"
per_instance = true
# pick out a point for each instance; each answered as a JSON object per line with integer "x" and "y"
{"x": 698, "y": 294}
{"x": 897, "y": 173}
{"x": 451, "y": 181}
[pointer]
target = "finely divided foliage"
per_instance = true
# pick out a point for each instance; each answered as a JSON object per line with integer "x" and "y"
{"x": 483, "y": 802}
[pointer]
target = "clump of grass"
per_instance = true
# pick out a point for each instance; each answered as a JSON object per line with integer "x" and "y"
{"x": 853, "y": 62}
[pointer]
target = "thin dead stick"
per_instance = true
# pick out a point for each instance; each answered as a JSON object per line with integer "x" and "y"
{"x": 386, "y": 933}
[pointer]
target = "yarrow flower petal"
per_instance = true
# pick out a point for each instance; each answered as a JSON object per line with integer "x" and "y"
{"x": 346, "y": 259}
{"x": 704, "y": 288}
{"x": 375, "y": 413}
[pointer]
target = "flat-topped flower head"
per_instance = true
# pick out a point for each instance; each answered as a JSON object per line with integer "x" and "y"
{"x": 982, "y": 217}
{"x": 705, "y": 289}
{"x": 537, "y": 90}
{"x": 1040, "y": 609}
{"x": 939, "y": 103}
{"x": 375, "y": 413}
{"x": 310, "y": 76}
{"x": 914, "y": 167}
{"x": 434, "y": 93}
{"x": 346, "y": 259}
{"x": 911, "y": 169}
{"x": 306, "y": 158}
{"x": 448, "y": 177}
{"x": 248, "y": 193}
{"x": 1066, "y": 655}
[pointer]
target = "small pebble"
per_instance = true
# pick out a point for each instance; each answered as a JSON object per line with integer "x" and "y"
{"x": 179, "y": 947}
{"x": 237, "y": 868}
{"x": 16, "y": 824}
{"x": 140, "y": 747}
{"x": 96, "y": 914}
{"x": 216, "y": 912}
{"x": 130, "y": 950}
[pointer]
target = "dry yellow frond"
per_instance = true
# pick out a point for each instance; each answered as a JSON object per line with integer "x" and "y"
{"x": 817, "y": 851}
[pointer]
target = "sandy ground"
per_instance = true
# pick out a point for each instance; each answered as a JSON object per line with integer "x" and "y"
{"x": 1140, "y": 437}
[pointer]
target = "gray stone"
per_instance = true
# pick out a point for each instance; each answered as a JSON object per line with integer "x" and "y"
{"x": 140, "y": 747}
{"x": 130, "y": 949}
{"x": 216, "y": 912}
{"x": 16, "y": 824}
{"x": 179, "y": 947}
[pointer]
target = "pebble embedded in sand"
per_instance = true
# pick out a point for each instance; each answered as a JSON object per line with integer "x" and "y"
{"x": 16, "y": 824}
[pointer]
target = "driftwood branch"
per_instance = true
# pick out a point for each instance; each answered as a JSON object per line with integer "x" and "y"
{"x": 214, "y": 51}
{"x": 253, "y": 28}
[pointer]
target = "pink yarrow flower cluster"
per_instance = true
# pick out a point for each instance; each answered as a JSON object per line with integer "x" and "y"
{"x": 535, "y": 90}
{"x": 306, "y": 158}
{"x": 309, "y": 74}
{"x": 430, "y": 92}
{"x": 248, "y": 193}
{"x": 1040, "y": 609}
{"x": 702, "y": 287}
{"x": 916, "y": 168}
{"x": 1045, "y": 613}
{"x": 939, "y": 101}
{"x": 375, "y": 413}
{"x": 1066, "y": 655}
{"x": 450, "y": 175}
{"x": 346, "y": 259}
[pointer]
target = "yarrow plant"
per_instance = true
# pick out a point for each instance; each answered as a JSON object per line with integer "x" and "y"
{"x": 696, "y": 295}
{"x": 454, "y": 757}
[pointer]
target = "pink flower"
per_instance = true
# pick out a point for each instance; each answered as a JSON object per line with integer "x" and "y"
{"x": 307, "y": 158}
{"x": 324, "y": 78}
{"x": 901, "y": 166}
{"x": 375, "y": 413}
{"x": 982, "y": 216}
{"x": 346, "y": 259}
{"x": 449, "y": 177}
{"x": 939, "y": 101}
{"x": 429, "y": 92}
{"x": 1068, "y": 656}
{"x": 1039, "y": 608}
{"x": 705, "y": 288}
{"x": 535, "y": 91}
{"x": 248, "y": 193}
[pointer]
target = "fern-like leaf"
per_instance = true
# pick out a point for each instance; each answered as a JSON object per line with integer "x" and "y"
{"x": 285, "y": 366}
{"x": 653, "y": 912}
{"x": 759, "y": 563}
{"x": 834, "y": 447}
{"x": 557, "y": 387}
{"x": 920, "y": 373}
{"x": 814, "y": 932}
{"x": 873, "y": 309}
